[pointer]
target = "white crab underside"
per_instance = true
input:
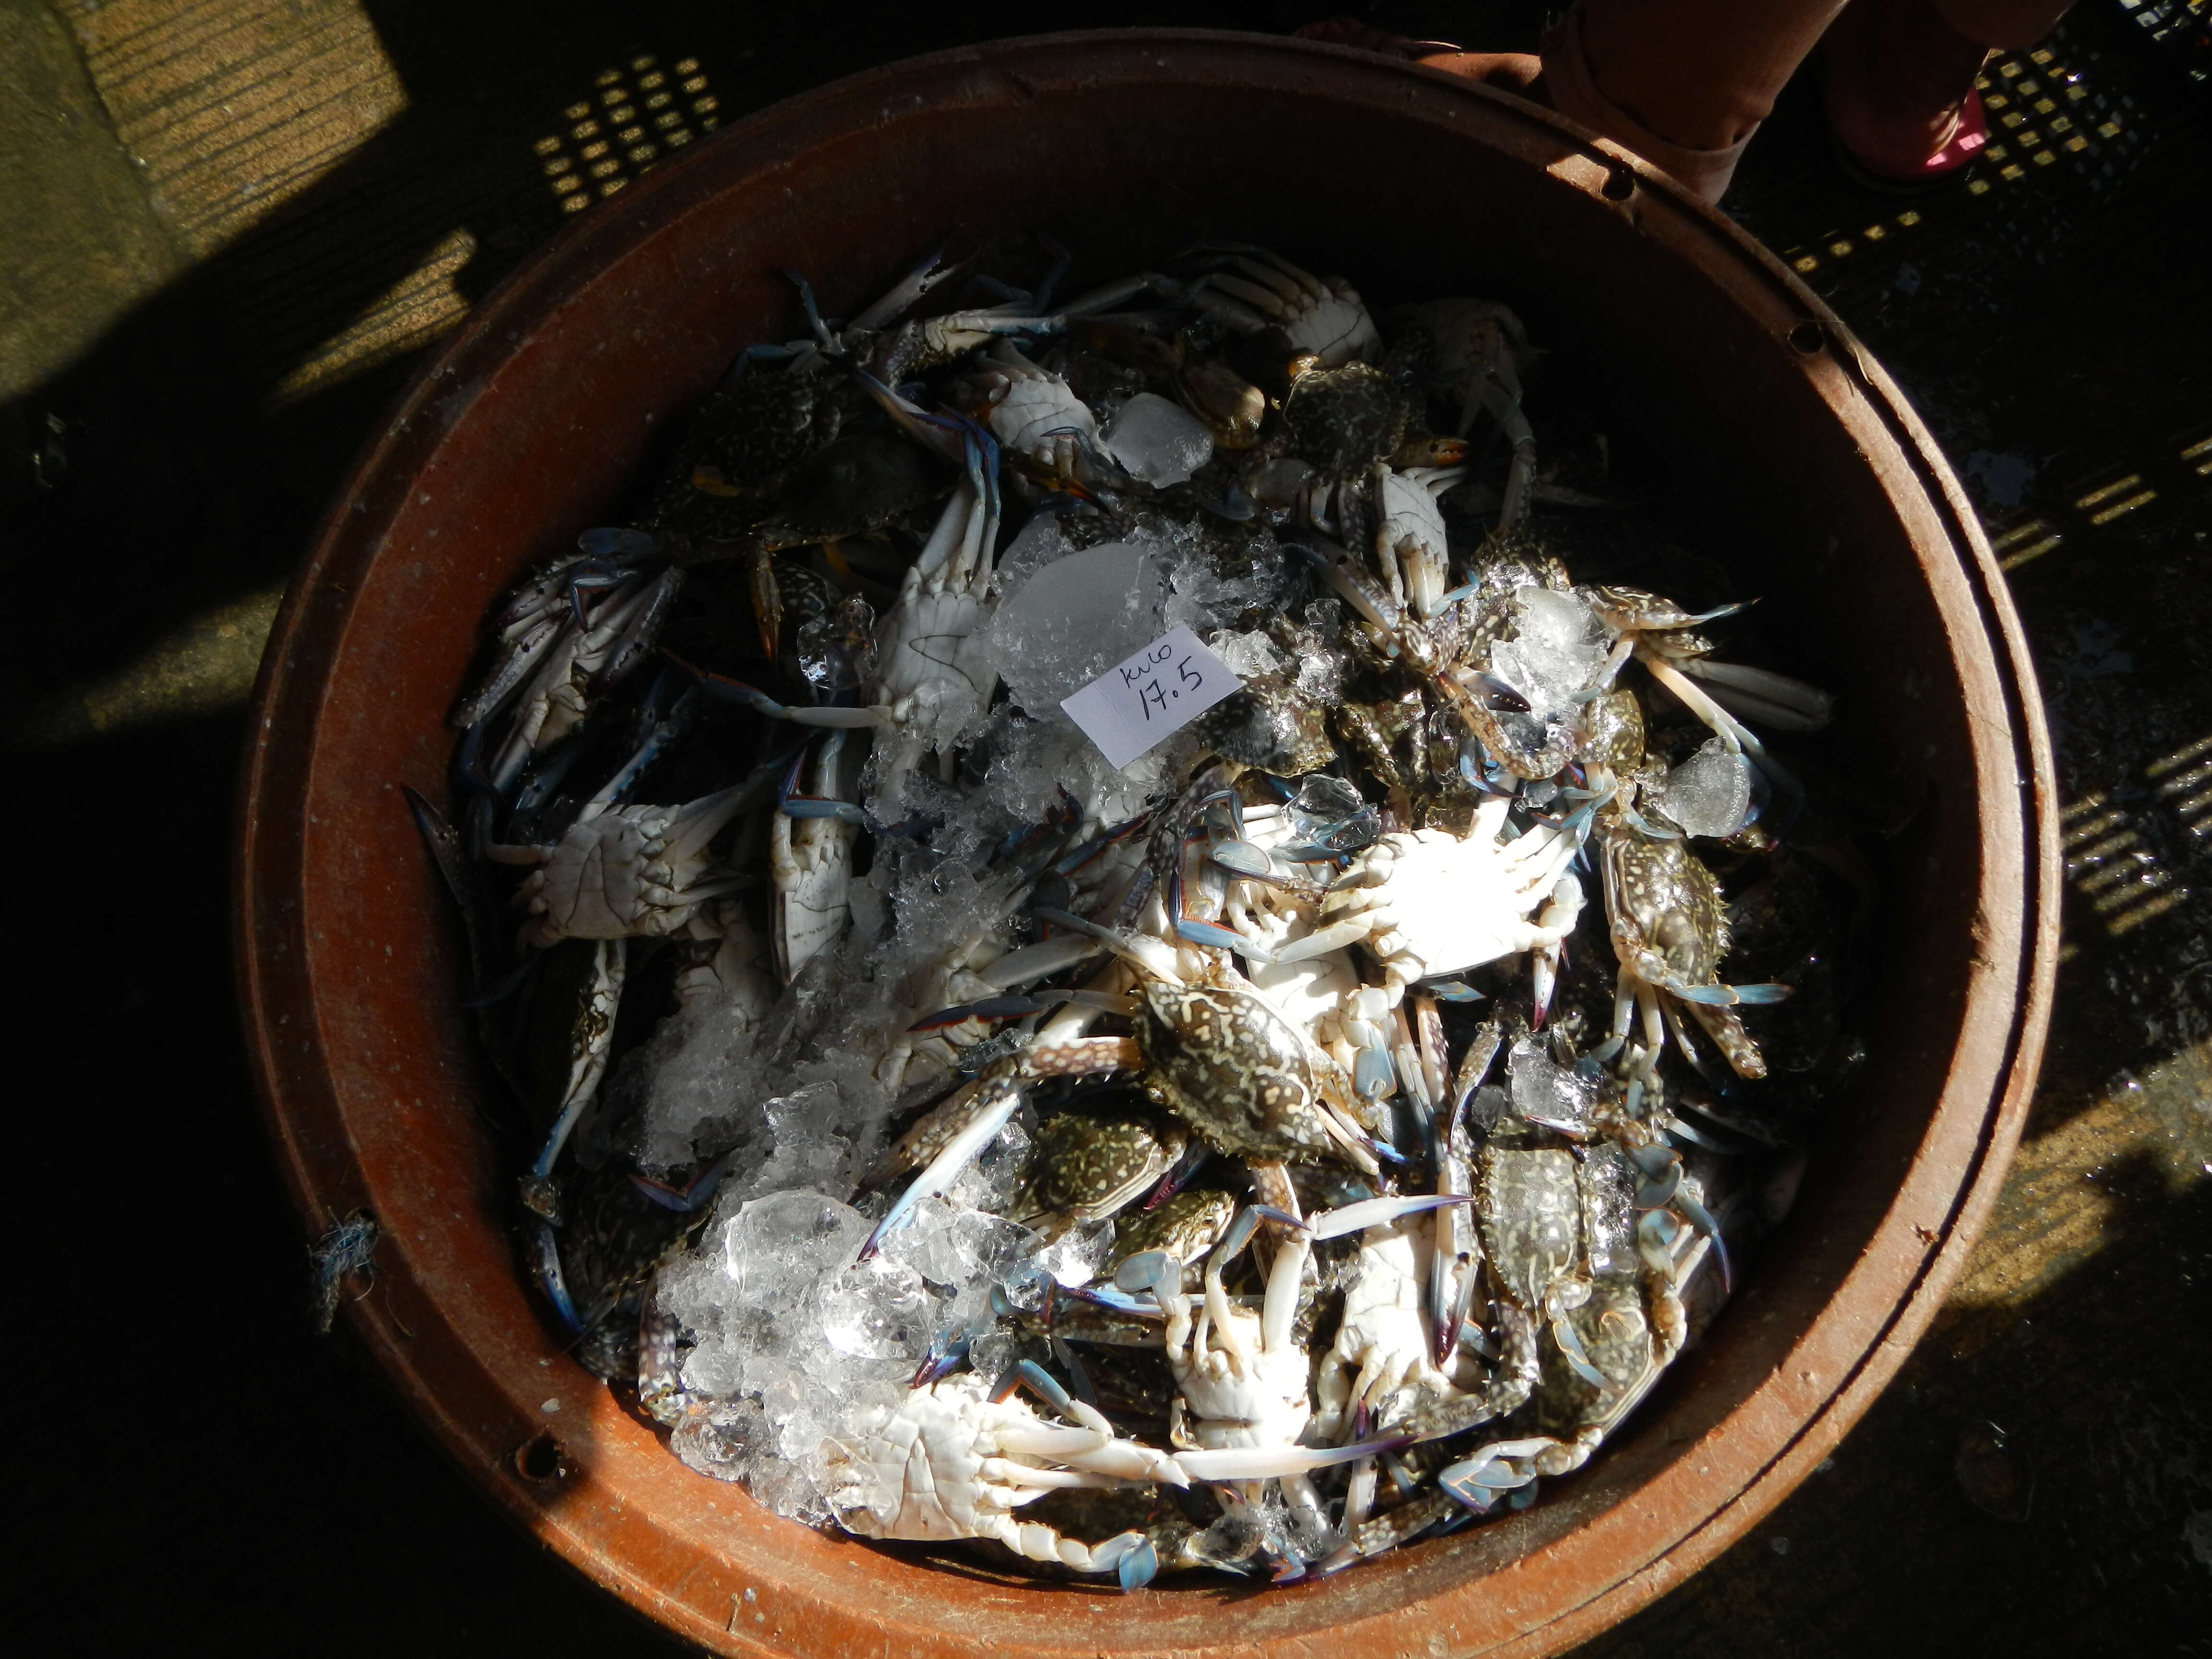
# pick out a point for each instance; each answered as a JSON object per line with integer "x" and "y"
{"x": 1453, "y": 902}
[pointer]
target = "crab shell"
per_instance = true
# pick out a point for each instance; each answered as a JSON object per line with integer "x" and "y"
{"x": 1665, "y": 913}
{"x": 612, "y": 877}
{"x": 1089, "y": 1166}
{"x": 1440, "y": 903}
{"x": 1249, "y": 1081}
{"x": 1186, "y": 1226}
{"x": 946, "y": 1461}
{"x": 1381, "y": 1355}
{"x": 1028, "y": 406}
{"x": 1529, "y": 1203}
{"x": 1410, "y": 533}
{"x": 1233, "y": 1404}
{"x": 1474, "y": 340}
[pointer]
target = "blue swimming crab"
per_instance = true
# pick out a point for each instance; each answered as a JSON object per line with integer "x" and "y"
{"x": 1669, "y": 932}
{"x": 1208, "y": 1047}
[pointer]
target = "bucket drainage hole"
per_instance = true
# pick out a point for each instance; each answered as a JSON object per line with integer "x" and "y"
{"x": 542, "y": 1459}
{"x": 1809, "y": 336}
{"x": 1619, "y": 185}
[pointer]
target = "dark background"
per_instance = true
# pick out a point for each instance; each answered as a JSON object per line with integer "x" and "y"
{"x": 193, "y": 1465}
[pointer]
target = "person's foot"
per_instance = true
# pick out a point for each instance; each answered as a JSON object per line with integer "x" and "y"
{"x": 1898, "y": 85}
{"x": 1520, "y": 72}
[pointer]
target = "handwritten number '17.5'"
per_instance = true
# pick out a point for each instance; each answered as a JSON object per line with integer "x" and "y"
{"x": 1154, "y": 695}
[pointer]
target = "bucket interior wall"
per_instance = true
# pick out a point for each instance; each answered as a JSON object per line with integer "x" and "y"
{"x": 524, "y": 440}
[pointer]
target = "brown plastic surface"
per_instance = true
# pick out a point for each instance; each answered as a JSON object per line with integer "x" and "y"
{"x": 1816, "y": 482}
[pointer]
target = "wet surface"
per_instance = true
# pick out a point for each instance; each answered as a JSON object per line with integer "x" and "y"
{"x": 2037, "y": 1481}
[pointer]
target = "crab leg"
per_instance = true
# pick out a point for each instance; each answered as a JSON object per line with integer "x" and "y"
{"x": 1457, "y": 1245}
{"x": 994, "y": 1104}
{"x": 1505, "y": 407}
{"x": 587, "y": 1067}
{"x": 907, "y": 290}
{"x": 1376, "y": 1212}
{"x": 1760, "y": 694}
{"x": 1556, "y": 919}
{"x": 1271, "y": 1462}
{"x": 1733, "y": 732}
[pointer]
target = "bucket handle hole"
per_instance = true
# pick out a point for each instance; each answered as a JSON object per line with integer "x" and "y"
{"x": 1619, "y": 185}
{"x": 1809, "y": 336}
{"x": 542, "y": 1459}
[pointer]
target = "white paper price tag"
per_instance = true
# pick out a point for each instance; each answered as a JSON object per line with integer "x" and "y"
{"x": 1142, "y": 699}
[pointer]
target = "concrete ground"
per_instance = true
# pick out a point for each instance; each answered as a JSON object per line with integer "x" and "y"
{"x": 232, "y": 228}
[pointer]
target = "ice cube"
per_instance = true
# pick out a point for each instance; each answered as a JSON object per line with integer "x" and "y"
{"x": 787, "y": 1487}
{"x": 1074, "y": 619}
{"x": 879, "y": 1313}
{"x": 1040, "y": 542}
{"x": 1218, "y": 588}
{"x": 808, "y": 1153}
{"x": 1557, "y": 649}
{"x": 1075, "y": 1257}
{"x": 1158, "y": 440}
{"x": 725, "y": 1439}
{"x": 1544, "y": 1092}
{"x": 951, "y": 1244}
{"x": 993, "y": 1353}
{"x": 993, "y": 1181}
{"x": 1247, "y": 654}
{"x": 774, "y": 1248}
{"x": 1708, "y": 793}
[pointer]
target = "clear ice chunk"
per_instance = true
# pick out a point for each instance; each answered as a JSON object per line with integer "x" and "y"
{"x": 1247, "y": 654}
{"x": 748, "y": 1291}
{"x": 1708, "y": 793}
{"x": 725, "y": 1440}
{"x": 770, "y": 1242}
{"x": 1074, "y": 1258}
{"x": 1544, "y": 1092}
{"x": 1159, "y": 441}
{"x": 994, "y": 1180}
{"x": 1073, "y": 620}
{"x": 1039, "y": 543}
{"x": 969, "y": 1253}
{"x": 880, "y": 1313}
{"x": 1558, "y": 648}
{"x": 1214, "y": 588}
{"x": 993, "y": 1353}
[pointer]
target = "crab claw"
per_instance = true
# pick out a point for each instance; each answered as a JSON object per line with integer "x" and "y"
{"x": 909, "y": 289}
{"x": 993, "y": 1106}
{"x": 1272, "y": 1463}
{"x": 1498, "y": 1468}
{"x": 1148, "y": 1270}
{"x": 545, "y": 1268}
{"x": 1698, "y": 1216}
{"x": 1377, "y": 1211}
{"x": 992, "y": 1008}
{"x": 1571, "y": 1344}
{"x": 1029, "y": 1374}
{"x": 1654, "y": 1241}
{"x": 1139, "y": 1565}
{"x": 946, "y": 438}
{"x": 766, "y": 598}
{"x": 1193, "y": 1160}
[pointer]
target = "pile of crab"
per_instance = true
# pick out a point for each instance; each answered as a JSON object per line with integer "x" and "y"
{"x": 1253, "y": 1157}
